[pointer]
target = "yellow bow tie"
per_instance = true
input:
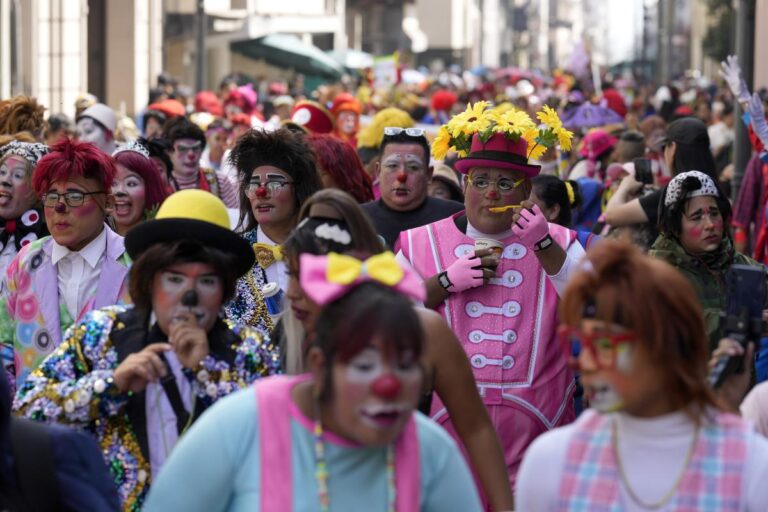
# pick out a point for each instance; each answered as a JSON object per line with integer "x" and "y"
{"x": 267, "y": 254}
{"x": 381, "y": 267}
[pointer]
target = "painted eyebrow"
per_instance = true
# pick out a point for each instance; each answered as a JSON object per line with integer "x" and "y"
{"x": 178, "y": 273}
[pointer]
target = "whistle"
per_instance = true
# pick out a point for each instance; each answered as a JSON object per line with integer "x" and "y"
{"x": 502, "y": 209}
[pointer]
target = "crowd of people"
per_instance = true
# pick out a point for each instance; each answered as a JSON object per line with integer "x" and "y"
{"x": 495, "y": 291}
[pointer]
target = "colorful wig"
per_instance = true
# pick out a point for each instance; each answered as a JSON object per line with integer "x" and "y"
{"x": 22, "y": 113}
{"x": 340, "y": 160}
{"x": 155, "y": 192}
{"x": 70, "y": 158}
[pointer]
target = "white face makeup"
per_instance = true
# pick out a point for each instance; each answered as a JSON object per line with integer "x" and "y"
{"x": 16, "y": 195}
{"x": 368, "y": 369}
{"x": 603, "y": 397}
{"x": 404, "y": 176}
{"x": 89, "y": 131}
{"x": 172, "y": 284}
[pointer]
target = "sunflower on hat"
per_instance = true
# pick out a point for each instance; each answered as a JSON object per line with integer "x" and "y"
{"x": 483, "y": 122}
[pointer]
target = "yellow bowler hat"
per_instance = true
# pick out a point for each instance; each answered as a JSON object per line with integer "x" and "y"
{"x": 194, "y": 215}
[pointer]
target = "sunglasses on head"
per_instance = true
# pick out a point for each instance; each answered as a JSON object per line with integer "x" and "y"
{"x": 392, "y": 131}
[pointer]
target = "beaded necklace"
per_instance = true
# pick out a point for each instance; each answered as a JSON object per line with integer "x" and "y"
{"x": 321, "y": 471}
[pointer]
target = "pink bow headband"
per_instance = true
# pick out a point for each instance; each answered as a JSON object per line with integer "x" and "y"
{"x": 327, "y": 278}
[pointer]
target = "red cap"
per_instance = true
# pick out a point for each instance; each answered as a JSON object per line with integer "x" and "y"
{"x": 312, "y": 117}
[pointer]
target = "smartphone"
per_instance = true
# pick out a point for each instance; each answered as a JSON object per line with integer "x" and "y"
{"x": 743, "y": 317}
{"x": 643, "y": 171}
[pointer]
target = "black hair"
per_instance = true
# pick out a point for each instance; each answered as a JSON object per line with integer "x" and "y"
{"x": 671, "y": 217}
{"x": 155, "y": 93}
{"x": 404, "y": 138}
{"x": 58, "y": 122}
{"x": 152, "y": 114}
{"x": 693, "y": 157}
{"x": 552, "y": 190}
{"x": 182, "y": 128}
{"x": 284, "y": 149}
{"x": 159, "y": 257}
{"x": 631, "y": 145}
{"x": 159, "y": 148}
{"x": 347, "y": 325}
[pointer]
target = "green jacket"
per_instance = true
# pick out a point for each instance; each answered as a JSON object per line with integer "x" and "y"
{"x": 706, "y": 274}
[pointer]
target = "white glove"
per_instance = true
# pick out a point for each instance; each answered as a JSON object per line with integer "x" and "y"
{"x": 757, "y": 114}
{"x": 730, "y": 71}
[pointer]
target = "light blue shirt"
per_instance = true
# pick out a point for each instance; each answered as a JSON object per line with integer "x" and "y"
{"x": 216, "y": 467}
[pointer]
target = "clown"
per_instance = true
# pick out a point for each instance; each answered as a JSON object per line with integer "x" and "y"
{"x": 495, "y": 271}
{"x": 343, "y": 437}
{"x": 54, "y": 281}
{"x": 346, "y": 110}
{"x": 20, "y": 208}
{"x": 138, "y": 377}
{"x": 97, "y": 125}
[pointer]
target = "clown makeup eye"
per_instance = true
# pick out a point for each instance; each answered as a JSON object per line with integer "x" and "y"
{"x": 365, "y": 366}
{"x": 172, "y": 282}
{"x": 209, "y": 281}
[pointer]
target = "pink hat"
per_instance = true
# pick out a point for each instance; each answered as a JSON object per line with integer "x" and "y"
{"x": 596, "y": 143}
{"x": 500, "y": 153}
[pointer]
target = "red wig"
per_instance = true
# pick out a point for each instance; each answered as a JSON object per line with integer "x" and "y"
{"x": 154, "y": 191}
{"x": 443, "y": 101}
{"x": 340, "y": 160}
{"x": 70, "y": 158}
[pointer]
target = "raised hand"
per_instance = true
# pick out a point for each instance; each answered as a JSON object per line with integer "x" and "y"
{"x": 189, "y": 340}
{"x": 531, "y": 226}
{"x": 730, "y": 71}
{"x": 141, "y": 368}
{"x": 759, "y": 124}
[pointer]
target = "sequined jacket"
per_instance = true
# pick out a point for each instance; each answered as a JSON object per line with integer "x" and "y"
{"x": 74, "y": 386}
{"x": 248, "y": 307}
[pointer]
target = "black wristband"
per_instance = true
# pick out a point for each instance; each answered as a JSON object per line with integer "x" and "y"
{"x": 542, "y": 244}
{"x": 445, "y": 283}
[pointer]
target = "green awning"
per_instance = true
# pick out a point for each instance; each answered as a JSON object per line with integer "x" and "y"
{"x": 289, "y": 52}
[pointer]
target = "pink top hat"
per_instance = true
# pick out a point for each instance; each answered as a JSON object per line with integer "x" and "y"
{"x": 596, "y": 143}
{"x": 500, "y": 153}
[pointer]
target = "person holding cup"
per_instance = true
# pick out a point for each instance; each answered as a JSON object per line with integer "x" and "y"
{"x": 495, "y": 272}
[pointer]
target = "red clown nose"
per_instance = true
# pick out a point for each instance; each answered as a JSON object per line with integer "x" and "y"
{"x": 387, "y": 386}
{"x": 60, "y": 207}
{"x": 402, "y": 177}
{"x": 261, "y": 192}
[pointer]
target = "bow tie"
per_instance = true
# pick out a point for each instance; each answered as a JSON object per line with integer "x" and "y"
{"x": 267, "y": 254}
{"x": 325, "y": 278}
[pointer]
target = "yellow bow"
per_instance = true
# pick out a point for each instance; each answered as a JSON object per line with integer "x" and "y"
{"x": 381, "y": 267}
{"x": 267, "y": 254}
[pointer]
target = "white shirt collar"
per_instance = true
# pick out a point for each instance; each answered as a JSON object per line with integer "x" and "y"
{"x": 91, "y": 253}
{"x": 262, "y": 237}
{"x": 474, "y": 233}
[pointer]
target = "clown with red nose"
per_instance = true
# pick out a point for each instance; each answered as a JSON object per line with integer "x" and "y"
{"x": 496, "y": 270}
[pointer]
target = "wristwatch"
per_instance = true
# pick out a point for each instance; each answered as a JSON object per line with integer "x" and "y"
{"x": 442, "y": 278}
{"x": 543, "y": 244}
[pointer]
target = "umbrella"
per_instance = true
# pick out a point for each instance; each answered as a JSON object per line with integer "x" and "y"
{"x": 590, "y": 116}
{"x": 352, "y": 59}
{"x": 288, "y": 51}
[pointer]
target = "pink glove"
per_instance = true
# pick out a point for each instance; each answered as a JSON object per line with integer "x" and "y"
{"x": 532, "y": 228}
{"x": 463, "y": 274}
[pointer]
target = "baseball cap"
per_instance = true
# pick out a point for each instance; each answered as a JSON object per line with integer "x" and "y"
{"x": 688, "y": 130}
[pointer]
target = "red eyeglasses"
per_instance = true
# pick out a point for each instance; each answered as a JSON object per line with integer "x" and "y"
{"x": 603, "y": 346}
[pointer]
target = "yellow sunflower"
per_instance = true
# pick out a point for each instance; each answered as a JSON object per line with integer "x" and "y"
{"x": 548, "y": 116}
{"x": 471, "y": 121}
{"x": 442, "y": 143}
{"x": 564, "y": 137}
{"x": 514, "y": 121}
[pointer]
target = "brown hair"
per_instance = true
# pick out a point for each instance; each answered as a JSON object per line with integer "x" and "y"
{"x": 22, "y": 113}
{"x": 160, "y": 256}
{"x": 654, "y": 301}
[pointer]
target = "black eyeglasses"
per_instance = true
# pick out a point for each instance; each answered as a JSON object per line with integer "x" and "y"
{"x": 391, "y": 131}
{"x": 72, "y": 199}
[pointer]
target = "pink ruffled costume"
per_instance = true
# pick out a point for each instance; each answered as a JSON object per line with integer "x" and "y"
{"x": 508, "y": 330}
